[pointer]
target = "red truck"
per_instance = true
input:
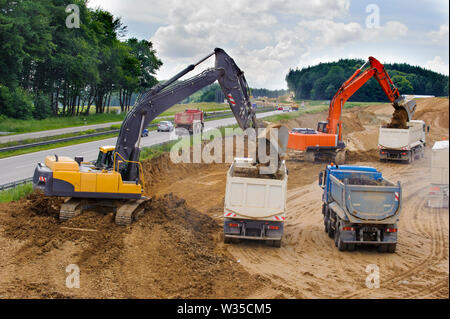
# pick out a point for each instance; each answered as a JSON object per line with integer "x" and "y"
{"x": 191, "y": 120}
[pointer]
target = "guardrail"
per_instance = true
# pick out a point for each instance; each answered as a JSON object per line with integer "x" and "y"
{"x": 15, "y": 184}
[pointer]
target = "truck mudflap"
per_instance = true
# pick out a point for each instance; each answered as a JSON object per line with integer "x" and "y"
{"x": 253, "y": 229}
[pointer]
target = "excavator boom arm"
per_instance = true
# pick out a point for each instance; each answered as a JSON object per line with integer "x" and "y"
{"x": 354, "y": 83}
{"x": 163, "y": 96}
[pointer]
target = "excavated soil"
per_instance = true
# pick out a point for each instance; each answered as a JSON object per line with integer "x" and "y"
{"x": 175, "y": 249}
{"x": 399, "y": 119}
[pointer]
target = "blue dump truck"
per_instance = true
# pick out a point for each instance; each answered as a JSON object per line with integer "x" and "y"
{"x": 360, "y": 207}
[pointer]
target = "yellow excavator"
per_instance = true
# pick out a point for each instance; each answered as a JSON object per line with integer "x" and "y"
{"x": 116, "y": 178}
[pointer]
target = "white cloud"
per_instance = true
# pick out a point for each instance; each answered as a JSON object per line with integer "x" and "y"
{"x": 267, "y": 37}
{"x": 255, "y": 35}
{"x": 437, "y": 65}
{"x": 440, "y": 36}
{"x": 329, "y": 32}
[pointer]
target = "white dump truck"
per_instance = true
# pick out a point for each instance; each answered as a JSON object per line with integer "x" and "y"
{"x": 402, "y": 144}
{"x": 438, "y": 193}
{"x": 255, "y": 204}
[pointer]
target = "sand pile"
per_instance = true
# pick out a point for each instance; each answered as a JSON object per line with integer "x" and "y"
{"x": 435, "y": 113}
{"x": 399, "y": 119}
{"x": 173, "y": 251}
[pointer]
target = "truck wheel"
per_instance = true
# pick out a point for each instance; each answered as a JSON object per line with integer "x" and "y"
{"x": 277, "y": 243}
{"x": 341, "y": 245}
{"x": 391, "y": 248}
{"x": 330, "y": 230}
{"x": 227, "y": 240}
{"x": 336, "y": 235}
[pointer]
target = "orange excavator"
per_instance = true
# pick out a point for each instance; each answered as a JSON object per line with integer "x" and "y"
{"x": 325, "y": 143}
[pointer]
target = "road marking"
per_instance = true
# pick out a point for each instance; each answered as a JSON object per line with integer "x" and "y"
{"x": 23, "y": 166}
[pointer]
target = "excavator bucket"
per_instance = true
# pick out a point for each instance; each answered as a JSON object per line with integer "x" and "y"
{"x": 408, "y": 105}
{"x": 404, "y": 112}
{"x": 273, "y": 139}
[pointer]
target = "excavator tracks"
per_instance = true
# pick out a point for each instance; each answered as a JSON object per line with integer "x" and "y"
{"x": 70, "y": 209}
{"x": 126, "y": 211}
{"x": 337, "y": 157}
{"x": 130, "y": 211}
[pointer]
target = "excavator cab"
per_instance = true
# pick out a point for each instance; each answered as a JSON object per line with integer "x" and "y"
{"x": 322, "y": 126}
{"x": 105, "y": 158}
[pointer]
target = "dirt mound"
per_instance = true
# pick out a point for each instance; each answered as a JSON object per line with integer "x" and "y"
{"x": 188, "y": 259}
{"x": 173, "y": 251}
{"x": 161, "y": 172}
{"x": 361, "y": 156}
{"x": 43, "y": 205}
{"x": 435, "y": 113}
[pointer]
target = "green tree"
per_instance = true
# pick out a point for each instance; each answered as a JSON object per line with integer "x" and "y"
{"x": 330, "y": 91}
{"x": 403, "y": 85}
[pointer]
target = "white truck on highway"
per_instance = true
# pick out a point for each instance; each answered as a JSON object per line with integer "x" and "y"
{"x": 402, "y": 144}
{"x": 438, "y": 193}
{"x": 255, "y": 204}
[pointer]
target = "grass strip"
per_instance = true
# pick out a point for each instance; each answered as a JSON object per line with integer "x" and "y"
{"x": 16, "y": 193}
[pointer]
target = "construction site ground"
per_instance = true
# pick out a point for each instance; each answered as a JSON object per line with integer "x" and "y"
{"x": 176, "y": 249}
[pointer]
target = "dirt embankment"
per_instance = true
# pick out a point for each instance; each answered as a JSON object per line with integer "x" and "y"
{"x": 173, "y": 251}
{"x": 435, "y": 114}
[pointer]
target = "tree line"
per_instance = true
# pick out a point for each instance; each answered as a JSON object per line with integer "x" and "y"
{"x": 49, "y": 69}
{"x": 320, "y": 82}
{"x": 213, "y": 93}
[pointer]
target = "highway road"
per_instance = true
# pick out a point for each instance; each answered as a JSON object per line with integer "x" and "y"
{"x": 74, "y": 129}
{"x": 21, "y": 167}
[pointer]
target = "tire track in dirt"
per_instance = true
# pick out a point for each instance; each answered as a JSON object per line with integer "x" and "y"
{"x": 435, "y": 231}
{"x": 439, "y": 250}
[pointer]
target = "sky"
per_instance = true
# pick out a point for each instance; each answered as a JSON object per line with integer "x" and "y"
{"x": 266, "y": 38}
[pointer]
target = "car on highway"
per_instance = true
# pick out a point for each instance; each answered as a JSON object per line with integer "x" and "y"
{"x": 144, "y": 132}
{"x": 165, "y": 126}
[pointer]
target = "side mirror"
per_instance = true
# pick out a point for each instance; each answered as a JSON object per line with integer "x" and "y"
{"x": 428, "y": 129}
{"x": 321, "y": 179}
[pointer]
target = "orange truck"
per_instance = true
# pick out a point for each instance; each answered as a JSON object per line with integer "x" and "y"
{"x": 325, "y": 143}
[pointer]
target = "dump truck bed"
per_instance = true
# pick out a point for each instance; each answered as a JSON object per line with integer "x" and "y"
{"x": 253, "y": 196}
{"x": 365, "y": 197}
{"x": 402, "y": 139}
